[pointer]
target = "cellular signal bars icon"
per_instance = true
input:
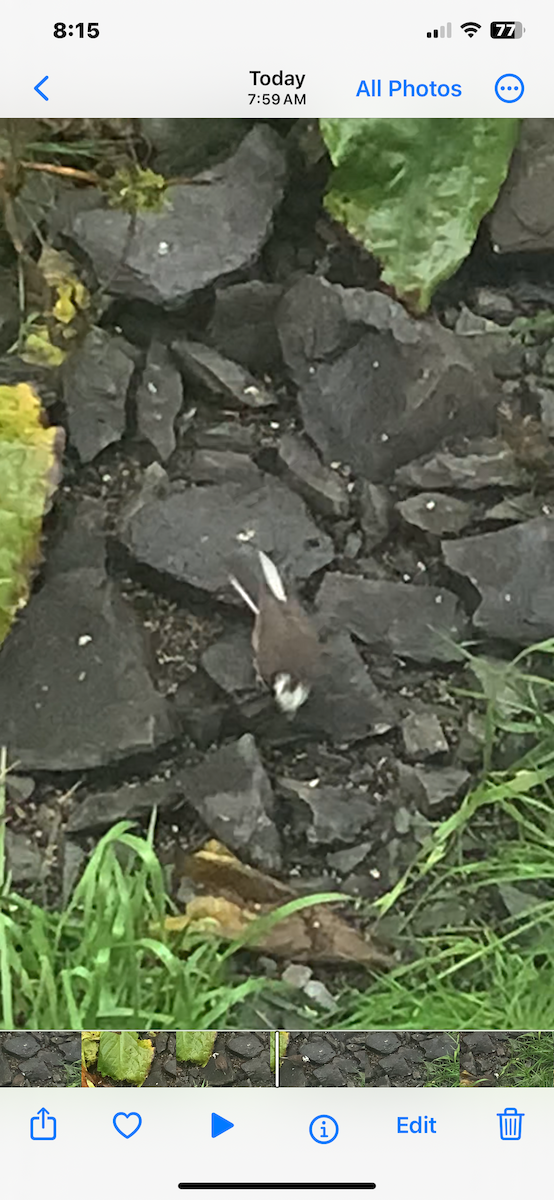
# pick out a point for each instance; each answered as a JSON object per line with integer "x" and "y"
{"x": 442, "y": 31}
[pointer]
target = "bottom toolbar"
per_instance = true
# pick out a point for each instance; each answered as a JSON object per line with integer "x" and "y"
{"x": 397, "y": 1142}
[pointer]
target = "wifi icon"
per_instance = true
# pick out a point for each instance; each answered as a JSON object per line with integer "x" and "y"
{"x": 470, "y": 27}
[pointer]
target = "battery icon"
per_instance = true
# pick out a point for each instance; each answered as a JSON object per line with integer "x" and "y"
{"x": 510, "y": 1124}
{"x": 507, "y": 29}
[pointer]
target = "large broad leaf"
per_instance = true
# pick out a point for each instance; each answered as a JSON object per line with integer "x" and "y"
{"x": 29, "y": 473}
{"x": 125, "y": 1056}
{"x": 414, "y": 190}
{"x": 195, "y": 1047}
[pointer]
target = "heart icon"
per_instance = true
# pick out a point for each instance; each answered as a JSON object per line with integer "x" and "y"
{"x": 127, "y": 1123}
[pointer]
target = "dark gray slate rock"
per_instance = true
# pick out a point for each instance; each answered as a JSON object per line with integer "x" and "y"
{"x": 423, "y": 736}
{"x": 184, "y": 144}
{"x": 205, "y": 234}
{"x": 227, "y": 435}
{"x": 513, "y": 571}
{"x": 231, "y": 792}
{"x": 95, "y": 382}
{"x": 318, "y": 1051}
{"x": 224, "y": 466}
{"x": 329, "y": 814}
{"x": 219, "y": 1071}
{"x": 130, "y": 802}
{"x": 71, "y": 1050}
{"x": 245, "y": 1044}
{"x": 522, "y": 507}
{"x": 9, "y": 311}
{"x": 221, "y": 378}
{"x": 480, "y": 1041}
{"x": 158, "y": 401}
{"x": 330, "y": 1076}
{"x": 345, "y": 705}
{"x": 198, "y": 536}
{"x": 323, "y": 489}
{"x": 435, "y": 513}
{"x": 25, "y": 859}
{"x": 378, "y": 388}
{"x": 22, "y": 1044}
{"x": 487, "y": 462}
{"x": 345, "y": 861}
{"x": 258, "y": 1071}
{"x": 522, "y": 218}
{"x": 384, "y": 1043}
{"x": 441, "y": 784}
{"x": 292, "y": 1074}
{"x": 243, "y": 325}
{"x": 82, "y": 543}
{"x": 349, "y": 1065}
{"x": 420, "y": 623}
{"x": 442, "y": 1045}
{"x": 396, "y": 1065}
{"x": 376, "y": 513}
{"x": 5, "y": 1070}
{"x": 75, "y": 691}
{"x": 35, "y": 1070}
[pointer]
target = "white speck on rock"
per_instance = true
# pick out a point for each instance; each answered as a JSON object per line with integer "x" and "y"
{"x": 163, "y": 249}
{"x": 84, "y": 639}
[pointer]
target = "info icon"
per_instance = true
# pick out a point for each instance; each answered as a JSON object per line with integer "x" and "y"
{"x": 324, "y": 1129}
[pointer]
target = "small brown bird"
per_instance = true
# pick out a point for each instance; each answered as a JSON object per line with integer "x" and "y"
{"x": 285, "y": 644}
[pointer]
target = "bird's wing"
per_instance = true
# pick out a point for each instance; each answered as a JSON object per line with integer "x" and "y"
{"x": 272, "y": 577}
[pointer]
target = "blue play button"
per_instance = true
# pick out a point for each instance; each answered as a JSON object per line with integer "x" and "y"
{"x": 220, "y": 1125}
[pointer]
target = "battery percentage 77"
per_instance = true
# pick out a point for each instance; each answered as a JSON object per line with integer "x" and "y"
{"x": 507, "y": 29}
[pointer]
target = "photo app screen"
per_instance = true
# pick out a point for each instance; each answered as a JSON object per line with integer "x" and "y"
{"x": 276, "y": 601}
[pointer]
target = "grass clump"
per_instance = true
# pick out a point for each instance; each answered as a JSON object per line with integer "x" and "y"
{"x": 496, "y": 854}
{"x": 107, "y": 960}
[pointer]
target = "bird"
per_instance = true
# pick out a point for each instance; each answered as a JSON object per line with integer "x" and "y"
{"x": 285, "y": 644}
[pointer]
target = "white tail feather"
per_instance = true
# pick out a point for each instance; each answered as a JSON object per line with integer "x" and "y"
{"x": 244, "y": 594}
{"x": 272, "y": 577}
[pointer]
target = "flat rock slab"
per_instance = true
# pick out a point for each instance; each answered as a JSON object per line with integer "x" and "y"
{"x": 232, "y": 794}
{"x": 75, "y": 691}
{"x": 377, "y": 388}
{"x": 482, "y": 463}
{"x": 205, "y": 233}
{"x": 199, "y": 536}
{"x": 243, "y": 324}
{"x": 323, "y": 488}
{"x": 220, "y": 377}
{"x": 420, "y": 623}
{"x": 522, "y": 217}
{"x": 158, "y": 401}
{"x": 327, "y": 815}
{"x": 435, "y": 513}
{"x": 131, "y": 802}
{"x": 513, "y": 571}
{"x": 96, "y": 378}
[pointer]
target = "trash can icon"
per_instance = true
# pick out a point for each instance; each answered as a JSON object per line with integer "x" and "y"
{"x": 510, "y": 1124}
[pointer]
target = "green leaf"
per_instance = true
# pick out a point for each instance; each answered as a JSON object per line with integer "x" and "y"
{"x": 195, "y": 1047}
{"x": 414, "y": 190}
{"x": 29, "y": 473}
{"x": 125, "y": 1056}
{"x": 283, "y": 1043}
